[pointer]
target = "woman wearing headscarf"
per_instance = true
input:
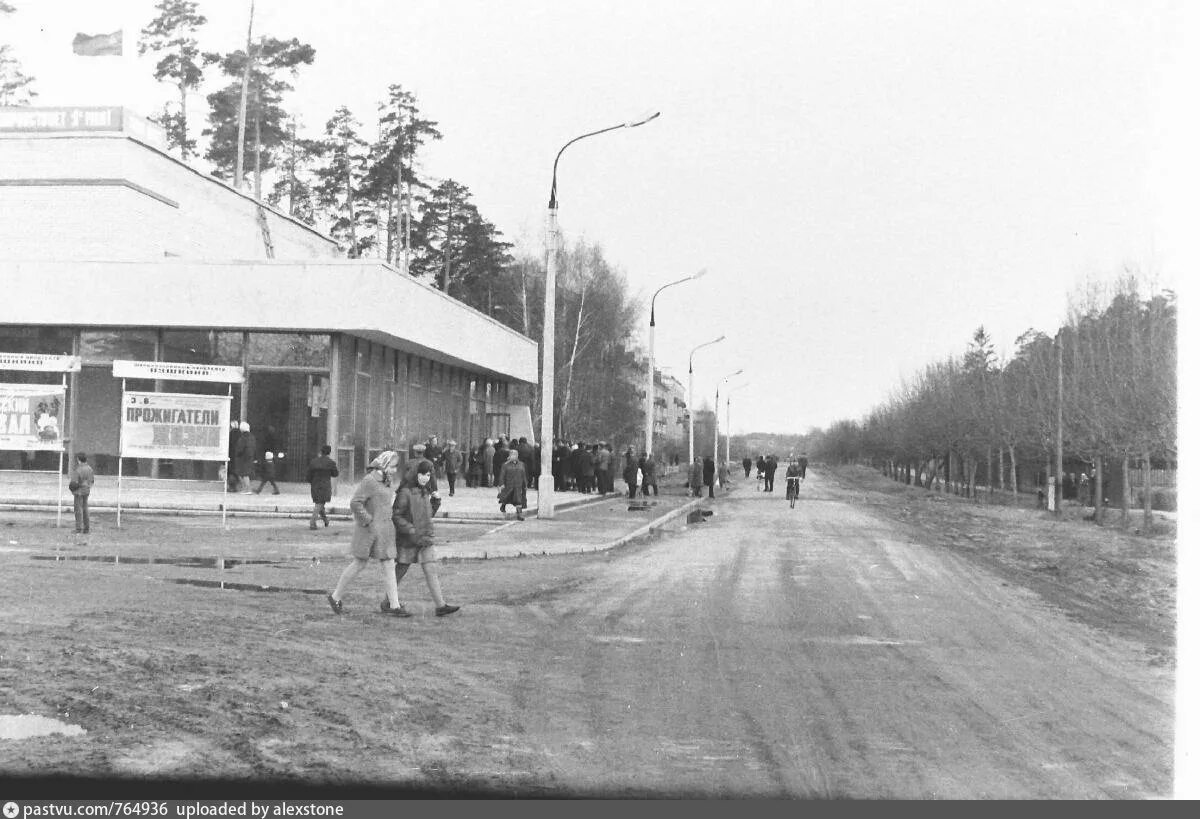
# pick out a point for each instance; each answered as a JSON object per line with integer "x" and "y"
{"x": 373, "y": 540}
{"x": 512, "y": 484}
{"x": 412, "y": 517}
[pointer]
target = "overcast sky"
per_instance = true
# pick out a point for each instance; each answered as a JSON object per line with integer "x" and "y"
{"x": 866, "y": 182}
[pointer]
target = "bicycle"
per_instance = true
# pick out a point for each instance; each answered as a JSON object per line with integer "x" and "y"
{"x": 793, "y": 490}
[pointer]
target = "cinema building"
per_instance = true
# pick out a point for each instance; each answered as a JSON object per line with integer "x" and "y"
{"x": 112, "y": 249}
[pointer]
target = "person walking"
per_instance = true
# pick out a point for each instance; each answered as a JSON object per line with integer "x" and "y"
{"x": 710, "y": 474}
{"x": 512, "y": 485}
{"x": 770, "y": 464}
{"x": 370, "y": 503}
{"x": 696, "y": 477}
{"x": 81, "y": 489}
{"x": 802, "y": 462}
{"x": 266, "y": 473}
{"x": 746, "y": 464}
{"x": 321, "y": 472}
{"x": 453, "y": 460}
{"x": 723, "y": 475}
{"x": 244, "y": 457}
{"x": 412, "y": 518}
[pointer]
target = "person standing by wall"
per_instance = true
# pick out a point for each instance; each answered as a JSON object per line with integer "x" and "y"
{"x": 412, "y": 518}
{"x": 453, "y": 459}
{"x": 499, "y": 459}
{"x": 487, "y": 461}
{"x": 244, "y": 458}
{"x": 513, "y": 484}
{"x": 370, "y": 504}
{"x": 525, "y": 455}
{"x": 321, "y": 472}
{"x": 231, "y": 474}
{"x": 81, "y": 489}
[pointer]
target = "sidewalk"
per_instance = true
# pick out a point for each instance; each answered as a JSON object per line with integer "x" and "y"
{"x": 31, "y": 492}
{"x": 582, "y": 523}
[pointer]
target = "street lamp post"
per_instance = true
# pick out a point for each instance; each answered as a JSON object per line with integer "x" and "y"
{"x": 650, "y": 362}
{"x": 545, "y": 479}
{"x": 691, "y": 407}
{"x": 717, "y": 421}
{"x": 728, "y": 426}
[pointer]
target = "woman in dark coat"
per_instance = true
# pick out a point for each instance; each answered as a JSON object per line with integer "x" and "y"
{"x": 512, "y": 484}
{"x": 499, "y": 459}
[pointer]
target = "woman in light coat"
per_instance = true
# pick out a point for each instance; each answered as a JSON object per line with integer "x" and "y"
{"x": 512, "y": 484}
{"x": 373, "y": 538}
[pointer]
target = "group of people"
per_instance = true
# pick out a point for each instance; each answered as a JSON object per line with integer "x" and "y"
{"x": 409, "y": 538}
{"x": 244, "y": 454}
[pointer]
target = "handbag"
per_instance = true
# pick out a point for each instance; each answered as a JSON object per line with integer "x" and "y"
{"x": 73, "y": 486}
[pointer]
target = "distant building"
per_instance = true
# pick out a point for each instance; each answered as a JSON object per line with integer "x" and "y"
{"x": 110, "y": 248}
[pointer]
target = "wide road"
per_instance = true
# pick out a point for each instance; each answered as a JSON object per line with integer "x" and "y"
{"x": 816, "y": 652}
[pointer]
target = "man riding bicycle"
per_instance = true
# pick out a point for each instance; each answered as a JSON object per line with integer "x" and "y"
{"x": 792, "y": 479}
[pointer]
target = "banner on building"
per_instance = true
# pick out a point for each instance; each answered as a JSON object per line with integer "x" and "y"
{"x": 175, "y": 425}
{"x": 31, "y": 416}
{"x": 170, "y": 371}
{"x": 39, "y": 363}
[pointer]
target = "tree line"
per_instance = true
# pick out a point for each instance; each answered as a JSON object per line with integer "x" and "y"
{"x": 974, "y": 415}
{"x": 362, "y": 182}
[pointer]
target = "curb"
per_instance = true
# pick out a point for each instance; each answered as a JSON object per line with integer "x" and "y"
{"x": 642, "y": 531}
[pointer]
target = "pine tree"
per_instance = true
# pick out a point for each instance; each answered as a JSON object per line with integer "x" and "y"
{"x": 14, "y": 83}
{"x": 340, "y": 180}
{"x": 294, "y": 185}
{"x": 172, "y": 34}
{"x": 391, "y": 174}
{"x": 273, "y": 61}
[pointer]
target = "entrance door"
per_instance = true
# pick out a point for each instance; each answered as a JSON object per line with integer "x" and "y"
{"x": 283, "y": 400}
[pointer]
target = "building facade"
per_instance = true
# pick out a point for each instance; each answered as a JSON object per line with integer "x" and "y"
{"x": 111, "y": 249}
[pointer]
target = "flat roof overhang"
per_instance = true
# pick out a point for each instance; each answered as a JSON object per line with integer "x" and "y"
{"x": 366, "y": 298}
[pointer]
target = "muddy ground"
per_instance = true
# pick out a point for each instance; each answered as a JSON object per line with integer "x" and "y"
{"x": 182, "y": 684}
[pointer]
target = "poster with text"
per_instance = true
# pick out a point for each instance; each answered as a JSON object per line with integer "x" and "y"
{"x": 175, "y": 425}
{"x": 31, "y": 416}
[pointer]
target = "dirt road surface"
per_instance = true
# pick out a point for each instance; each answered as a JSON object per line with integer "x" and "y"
{"x": 810, "y": 652}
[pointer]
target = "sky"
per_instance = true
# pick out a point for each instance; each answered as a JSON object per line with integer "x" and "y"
{"x": 865, "y": 183}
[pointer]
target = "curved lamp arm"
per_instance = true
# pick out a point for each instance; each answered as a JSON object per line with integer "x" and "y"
{"x": 554, "y": 175}
{"x": 705, "y": 344}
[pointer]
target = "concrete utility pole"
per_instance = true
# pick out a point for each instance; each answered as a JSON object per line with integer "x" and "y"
{"x": 546, "y": 479}
{"x": 717, "y": 422}
{"x": 691, "y": 403}
{"x": 1058, "y": 432}
{"x": 650, "y": 361}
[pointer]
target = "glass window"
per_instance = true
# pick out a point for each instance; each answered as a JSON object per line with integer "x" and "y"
{"x": 202, "y": 347}
{"x": 41, "y": 340}
{"x": 104, "y": 346}
{"x": 290, "y": 350}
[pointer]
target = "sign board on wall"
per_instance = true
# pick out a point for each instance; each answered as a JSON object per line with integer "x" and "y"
{"x": 170, "y": 371}
{"x": 31, "y": 416}
{"x": 175, "y": 425}
{"x": 37, "y": 362}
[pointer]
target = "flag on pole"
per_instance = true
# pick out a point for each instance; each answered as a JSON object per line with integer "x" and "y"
{"x": 98, "y": 45}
